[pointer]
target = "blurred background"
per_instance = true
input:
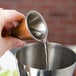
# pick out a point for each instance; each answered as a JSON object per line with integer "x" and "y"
{"x": 60, "y": 16}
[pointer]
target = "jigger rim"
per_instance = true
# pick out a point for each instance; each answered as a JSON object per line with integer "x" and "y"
{"x": 39, "y": 14}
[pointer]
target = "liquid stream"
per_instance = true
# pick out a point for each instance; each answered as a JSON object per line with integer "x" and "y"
{"x": 46, "y": 52}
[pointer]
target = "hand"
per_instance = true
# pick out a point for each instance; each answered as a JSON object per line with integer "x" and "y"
{"x": 7, "y": 21}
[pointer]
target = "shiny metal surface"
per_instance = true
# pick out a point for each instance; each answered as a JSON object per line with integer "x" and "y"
{"x": 32, "y": 27}
{"x": 36, "y": 25}
{"x": 31, "y": 60}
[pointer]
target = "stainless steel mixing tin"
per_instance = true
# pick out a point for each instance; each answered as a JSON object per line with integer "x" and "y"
{"x": 32, "y": 61}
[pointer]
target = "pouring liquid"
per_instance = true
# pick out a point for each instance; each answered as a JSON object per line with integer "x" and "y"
{"x": 40, "y": 35}
{"x": 46, "y": 52}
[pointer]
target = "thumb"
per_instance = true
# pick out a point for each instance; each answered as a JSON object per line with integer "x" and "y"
{"x": 12, "y": 42}
{"x": 9, "y": 43}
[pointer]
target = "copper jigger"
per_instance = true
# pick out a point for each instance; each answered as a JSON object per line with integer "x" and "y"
{"x": 21, "y": 31}
{"x": 33, "y": 27}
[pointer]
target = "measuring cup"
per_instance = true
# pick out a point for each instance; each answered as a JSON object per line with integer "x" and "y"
{"x": 33, "y": 26}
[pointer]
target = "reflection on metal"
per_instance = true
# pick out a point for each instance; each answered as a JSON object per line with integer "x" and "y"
{"x": 61, "y": 60}
{"x": 36, "y": 25}
{"x": 27, "y": 69}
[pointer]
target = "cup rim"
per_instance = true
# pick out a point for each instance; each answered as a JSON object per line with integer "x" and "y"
{"x": 70, "y": 51}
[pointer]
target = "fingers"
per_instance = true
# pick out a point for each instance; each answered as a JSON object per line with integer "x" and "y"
{"x": 8, "y": 43}
{"x": 14, "y": 15}
{"x": 11, "y": 42}
{"x": 10, "y": 16}
{"x": 10, "y": 19}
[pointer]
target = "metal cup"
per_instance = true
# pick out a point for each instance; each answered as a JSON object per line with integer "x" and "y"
{"x": 32, "y": 60}
{"x": 36, "y": 25}
{"x": 33, "y": 26}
